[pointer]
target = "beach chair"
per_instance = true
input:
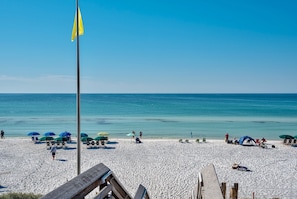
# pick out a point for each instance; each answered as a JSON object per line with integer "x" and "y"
{"x": 197, "y": 140}
{"x": 88, "y": 144}
{"x": 64, "y": 144}
{"x": 59, "y": 144}
{"x": 204, "y": 139}
{"x": 187, "y": 141}
{"x": 180, "y": 140}
{"x": 93, "y": 143}
{"x": 48, "y": 145}
{"x": 98, "y": 143}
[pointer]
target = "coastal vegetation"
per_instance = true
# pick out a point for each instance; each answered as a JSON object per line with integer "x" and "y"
{"x": 20, "y": 196}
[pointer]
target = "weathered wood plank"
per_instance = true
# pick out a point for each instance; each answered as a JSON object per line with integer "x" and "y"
{"x": 211, "y": 186}
{"x": 81, "y": 185}
{"x": 104, "y": 192}
{"x": 119, "y": 187}
{"x": 141, "y": 193}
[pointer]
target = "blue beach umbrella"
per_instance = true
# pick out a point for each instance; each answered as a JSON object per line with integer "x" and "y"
{"x": 84, "y": 135}
{"x": 33, "y": 133}
{"x": 49, "y": 134}
{"x": 65, "y": 134}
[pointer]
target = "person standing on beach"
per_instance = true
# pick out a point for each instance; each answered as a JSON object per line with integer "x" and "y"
{"x": 140, "y": 134}
{"x": 226, "y": 137}
{"x": 2, "y": 134}
{"x": 53, "y": 151}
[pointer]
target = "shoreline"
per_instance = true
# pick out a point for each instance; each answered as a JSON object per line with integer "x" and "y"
{"x": 167, "y": 168}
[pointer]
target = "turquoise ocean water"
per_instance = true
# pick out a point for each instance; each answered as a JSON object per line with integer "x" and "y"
{"x": 156, "y": 115}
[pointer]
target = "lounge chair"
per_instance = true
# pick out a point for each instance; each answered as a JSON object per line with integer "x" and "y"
{"x": 180, "y": 140}
{"x": 48, "y": 145}
{"x": 59, "y": 144}
{"x": 64, "y": 144}
{"x": 187, "y": 141}
{"x": 102, "y": 142}
{"x": 93, "y": 143}
{"x": 88, "y": 144}
{"x": 204, "y": 139}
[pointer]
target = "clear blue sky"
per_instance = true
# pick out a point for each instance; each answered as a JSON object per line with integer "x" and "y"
{"x": 150, "y": 46}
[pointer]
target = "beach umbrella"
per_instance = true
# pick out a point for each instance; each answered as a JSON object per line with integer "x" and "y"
{"x": 130, "y": 135}
{"x": 286, "y": 137}
{"x": 83, "y": 135}
{"x": 46, "y": 138}
{"x": 61, "y": 139}
{"x": 48, "y": 134}
{"x": 65, "y": 134}
{"x": 103, "y": 134}
{"x": 86, "y": 139}
{"x": 100, "y": 138}
{"x": 33, "y": 134}
{"x": 295, "y": 136}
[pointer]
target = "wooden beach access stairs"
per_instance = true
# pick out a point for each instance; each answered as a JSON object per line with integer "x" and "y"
{"x": 108, "y": 186}
{"x": 100, "y": 177}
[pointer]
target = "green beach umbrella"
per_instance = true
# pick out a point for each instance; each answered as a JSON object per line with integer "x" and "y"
{"x": 61, "y": 139}
{"x": 100, "y": 138}
{"x": 295, "y": 136}
{"x": 86, "y": 139}
{"x": 46, "y": 138}
{"x": 286, "y": 137}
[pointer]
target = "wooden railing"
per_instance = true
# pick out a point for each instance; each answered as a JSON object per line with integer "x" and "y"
{"x": 208, "y": 186}
{"x": 100, "y": 177}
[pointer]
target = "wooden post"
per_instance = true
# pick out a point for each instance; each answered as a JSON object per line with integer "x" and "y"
{"x": 223, "y": 189}
{"x": 234, "y": 191}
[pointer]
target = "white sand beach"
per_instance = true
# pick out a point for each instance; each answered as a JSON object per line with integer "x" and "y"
{"x": 167, "y": 168}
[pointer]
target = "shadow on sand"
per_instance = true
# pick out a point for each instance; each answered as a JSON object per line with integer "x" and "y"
{"x": 112, "y": 142}
{"x": 61, "y": 160}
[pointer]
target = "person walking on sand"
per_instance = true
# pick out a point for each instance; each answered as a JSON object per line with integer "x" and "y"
{"x": 53, "y": 151}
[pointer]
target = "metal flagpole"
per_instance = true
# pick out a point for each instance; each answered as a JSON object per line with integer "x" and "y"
{"x": 78, "y": 89}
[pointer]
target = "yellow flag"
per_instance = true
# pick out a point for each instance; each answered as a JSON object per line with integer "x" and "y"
{"x": 80, "y": 26}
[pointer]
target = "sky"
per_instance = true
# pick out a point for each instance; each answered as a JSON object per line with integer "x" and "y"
{"x": 149, "y": 46}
